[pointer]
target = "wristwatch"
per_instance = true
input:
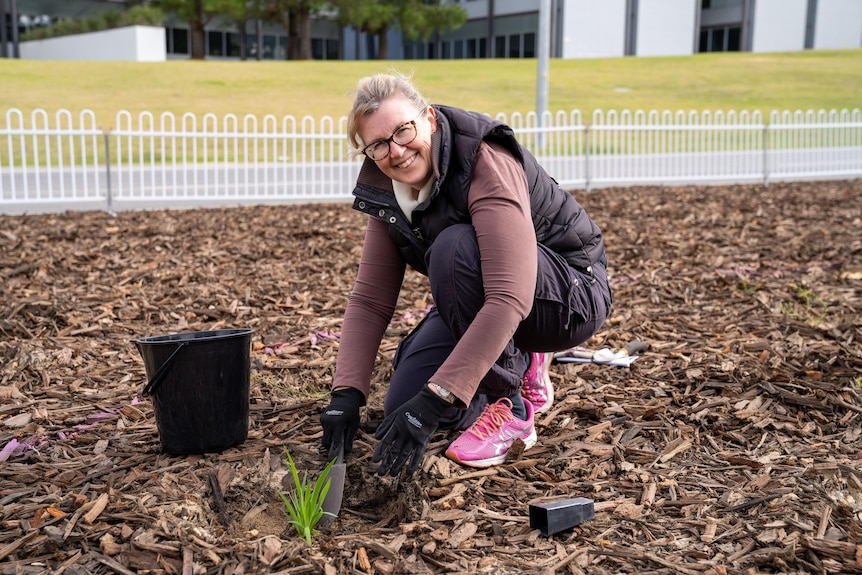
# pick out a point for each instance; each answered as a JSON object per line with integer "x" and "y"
{"x": 444, "y": 394}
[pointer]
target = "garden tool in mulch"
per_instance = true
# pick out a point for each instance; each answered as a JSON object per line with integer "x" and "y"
{"x": 623, "y": 356}
{"x": 337, "y": 475}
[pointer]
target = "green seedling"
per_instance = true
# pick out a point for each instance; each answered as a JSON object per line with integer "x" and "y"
{"x": 305, "y": 503}
{"x": 748, "y": 288}
{"x": 808, "y": 307}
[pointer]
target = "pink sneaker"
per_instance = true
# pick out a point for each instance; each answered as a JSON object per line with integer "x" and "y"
{"x": 486, "y": 442}
{"x": 537, "y": 388}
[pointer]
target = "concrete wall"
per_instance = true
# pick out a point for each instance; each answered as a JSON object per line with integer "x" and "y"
{"x": 666, "y": 27}
{"x": 838, "y": 24}
{"x": 594, "y": 29}
{"x": 133, "y": 43}
{"x": 779, "y": 25}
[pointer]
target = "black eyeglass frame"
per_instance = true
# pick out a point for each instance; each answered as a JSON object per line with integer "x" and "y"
{"x": 388, "y": 141}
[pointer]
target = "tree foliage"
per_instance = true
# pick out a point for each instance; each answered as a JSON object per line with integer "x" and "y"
{"x": 421, "y": 20}
{"x": 417, "y": 19}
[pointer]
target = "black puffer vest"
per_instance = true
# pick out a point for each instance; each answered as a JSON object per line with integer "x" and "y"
{"x": 561, "y": 224}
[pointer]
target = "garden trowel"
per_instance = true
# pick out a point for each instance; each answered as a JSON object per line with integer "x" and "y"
{"x": 337, "y": 474}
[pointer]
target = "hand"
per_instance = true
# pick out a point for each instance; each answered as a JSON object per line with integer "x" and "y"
{"x": 407, "y": 430}
{"x": 340, "y": 420}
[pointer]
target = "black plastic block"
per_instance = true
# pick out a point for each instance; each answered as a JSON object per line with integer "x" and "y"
{"x": 554, "y": 516}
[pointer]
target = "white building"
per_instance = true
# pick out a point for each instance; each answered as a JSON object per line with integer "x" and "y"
{"x": 508, "y": 29}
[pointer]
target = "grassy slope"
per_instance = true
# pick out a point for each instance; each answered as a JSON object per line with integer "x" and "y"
{"x": 736, "y": 81}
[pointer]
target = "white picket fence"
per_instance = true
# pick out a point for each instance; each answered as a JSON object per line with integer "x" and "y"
{"x": 62, "y": 161}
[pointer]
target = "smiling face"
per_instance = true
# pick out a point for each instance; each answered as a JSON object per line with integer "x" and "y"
{"x": 410, "y": 163}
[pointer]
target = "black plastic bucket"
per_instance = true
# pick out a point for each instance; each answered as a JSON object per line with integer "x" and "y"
{"x": 199, "y": 385}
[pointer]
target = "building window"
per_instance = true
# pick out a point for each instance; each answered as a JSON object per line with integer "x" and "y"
{"x": 215, "y": 43}
{"x": 178, "y": 41}
{"x": 717, "y": 41}
{"x": 515, "y": 46}
{"x": 233, "y": 45}
{"x": 471, "y": 48}
{"x": 733, "y": 35}
{"x": 332, "y": 49}
{"x": 459, "y": 49}
{"x": 499, "y": 47}
{"x": 530, "y": 45}
{"x": 724, "y": 39}
{"x": 324, "y": 48}
{"x": 268, "y": 46}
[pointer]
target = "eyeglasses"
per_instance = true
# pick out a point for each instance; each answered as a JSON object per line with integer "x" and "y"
{"x": 403, "y": 135}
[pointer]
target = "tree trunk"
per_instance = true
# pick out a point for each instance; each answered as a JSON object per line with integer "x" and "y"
{"x": 383, "y": 50}
{"x": 243, "y": 49}
{"x": 305, "y": 38}
{"x": 299, "y": 35}
{"x": 293, "y": 39}
{"x": 198, "y": 45}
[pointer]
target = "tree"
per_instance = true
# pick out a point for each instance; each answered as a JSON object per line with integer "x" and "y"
{"x": 198, "y": 14}
{"x": 416, "y": 18}
{"x": 421, "y": 20}
{"x": 374, "y": 17}
{"x": 295, "y": 17}
{"x": 241, "y": 11}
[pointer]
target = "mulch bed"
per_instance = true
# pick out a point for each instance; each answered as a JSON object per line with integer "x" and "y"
{"x": 732, "y": 445}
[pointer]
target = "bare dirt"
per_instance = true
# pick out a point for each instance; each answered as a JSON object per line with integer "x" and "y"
{"x": 731, "y": 446}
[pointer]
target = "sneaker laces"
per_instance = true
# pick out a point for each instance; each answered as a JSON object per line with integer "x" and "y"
{"x": 493, "y": 418}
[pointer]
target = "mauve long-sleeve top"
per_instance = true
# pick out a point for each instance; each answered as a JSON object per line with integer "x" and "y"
{"x": 499, "y": 204}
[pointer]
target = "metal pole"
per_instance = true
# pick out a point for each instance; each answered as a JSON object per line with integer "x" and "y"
{"x": 544, "y": 40}
{"x": 489, "y": 43}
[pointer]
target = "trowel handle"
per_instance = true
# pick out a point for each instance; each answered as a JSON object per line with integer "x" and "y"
{"x": 635, "y": 347}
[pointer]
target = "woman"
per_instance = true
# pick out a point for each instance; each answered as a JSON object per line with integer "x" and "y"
{"x": 515, "y": 266}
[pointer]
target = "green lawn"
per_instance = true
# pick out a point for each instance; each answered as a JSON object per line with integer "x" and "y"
{"x": 730, "y": 81}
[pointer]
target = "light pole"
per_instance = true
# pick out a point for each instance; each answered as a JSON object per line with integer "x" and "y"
{"x": 544, "y": 45}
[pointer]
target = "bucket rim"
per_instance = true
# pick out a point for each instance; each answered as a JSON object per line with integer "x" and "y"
{"x": 194, "y": 336}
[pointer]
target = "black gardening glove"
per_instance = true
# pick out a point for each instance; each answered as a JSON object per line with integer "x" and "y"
{"x": 407, "y": 430}
{"x": 340, "y": 420}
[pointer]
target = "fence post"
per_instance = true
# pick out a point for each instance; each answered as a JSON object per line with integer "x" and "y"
{"x": 587, "y": 157}
{"x": 109, "y": 206}
{"x": 766, "y": 153}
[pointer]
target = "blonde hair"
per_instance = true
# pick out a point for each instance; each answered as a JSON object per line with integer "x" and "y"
{"x": 371, "y": 91}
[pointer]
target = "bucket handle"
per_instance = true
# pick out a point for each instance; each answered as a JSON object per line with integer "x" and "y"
{"x": 162, "y": 372}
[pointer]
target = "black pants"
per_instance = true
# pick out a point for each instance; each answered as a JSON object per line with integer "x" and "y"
{"x": 569, "y": 307}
